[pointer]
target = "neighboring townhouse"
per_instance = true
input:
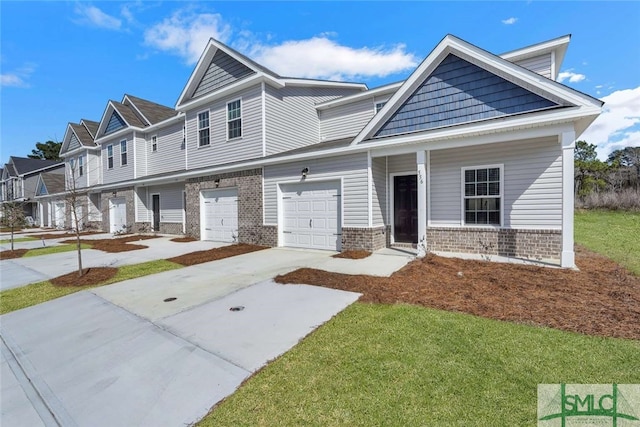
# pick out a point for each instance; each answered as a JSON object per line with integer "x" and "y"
{"x": 50, "y": 192}
{"x": 473, "y": 153}
{"x": 20, "y": 179}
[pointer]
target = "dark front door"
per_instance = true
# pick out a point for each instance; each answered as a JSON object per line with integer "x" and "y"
{"x": 156, "y": 212}
{"x": 405, "y": 209}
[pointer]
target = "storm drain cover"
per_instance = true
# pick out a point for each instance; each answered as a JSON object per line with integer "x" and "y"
{"x": 170, "y": 299}
{"x": 237, "y": 308}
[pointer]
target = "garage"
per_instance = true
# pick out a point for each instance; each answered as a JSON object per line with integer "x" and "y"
{"x": 118, "y": 215}
{"x": 219, "y": 215}
{"x": 59, "y": 215}
{"x": 311, "y": 215}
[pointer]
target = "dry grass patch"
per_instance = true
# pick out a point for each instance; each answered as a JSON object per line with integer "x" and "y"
{"x": 199, "y": 257}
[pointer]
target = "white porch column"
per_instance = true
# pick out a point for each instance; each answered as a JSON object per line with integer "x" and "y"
{"x": 567, "y": 139}
{"x": 421, "y": 159}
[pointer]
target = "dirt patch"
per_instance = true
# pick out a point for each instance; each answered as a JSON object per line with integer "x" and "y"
{"x": 355, "y": 254}
{"x": 184, "y": 239}
{"x": 121, "y": 244}
{"x": 90, "y": 276}
{"x": 601, "y": 299}
{"x": 17, "y": 253}
{"x": 61, "y": 235}
{"x": 214, "y": 254}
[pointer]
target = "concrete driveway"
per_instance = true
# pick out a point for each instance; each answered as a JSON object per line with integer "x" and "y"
{"x": 121, "y": 355}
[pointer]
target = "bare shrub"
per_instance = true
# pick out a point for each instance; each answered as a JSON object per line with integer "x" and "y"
{"x": 625, "y": 199}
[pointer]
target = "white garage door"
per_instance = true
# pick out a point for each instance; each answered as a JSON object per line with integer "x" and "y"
{"x": 117, "y": 215}
{"x": 311, "y": 215}
{"x": 219, "y": 215}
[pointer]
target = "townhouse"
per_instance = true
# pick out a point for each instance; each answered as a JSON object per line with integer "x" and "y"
{"x": 472, "y": 153}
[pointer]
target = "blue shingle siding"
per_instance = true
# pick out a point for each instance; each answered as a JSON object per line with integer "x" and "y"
{"x": 222, "y": 71}
{"x": 458, "y": 92}
{"x": 115, "y": 123}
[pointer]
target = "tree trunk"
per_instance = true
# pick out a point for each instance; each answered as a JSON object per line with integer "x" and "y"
{"x": 11, "y": 237}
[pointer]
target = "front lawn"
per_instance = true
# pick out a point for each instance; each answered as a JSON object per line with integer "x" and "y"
{"x": 17, "y": 240}
{"x": 376, "y": 364}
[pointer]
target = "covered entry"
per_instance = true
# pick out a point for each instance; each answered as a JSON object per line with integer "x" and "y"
{"x": 310, "y": 215}
{"x": 405, "y": 208}
{"x": 219, "y": 215}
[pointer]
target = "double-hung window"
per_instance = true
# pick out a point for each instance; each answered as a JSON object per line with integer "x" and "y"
{"x": 379, "y": 106}
{"x": 154, "y": 143}
{"x": 123, "y": 152}
{"x": 80, "y": 165}
{"x": 234, "y": 119}
{"x": 482, "y": 200}
{"x": 110, "y": 156}
{"x": 203, "y": 129}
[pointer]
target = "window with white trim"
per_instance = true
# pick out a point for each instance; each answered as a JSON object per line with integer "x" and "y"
{"x": 154, "y": 143}
{"x": 123, "y": 152}
{"x": 482, "y": 197}
{"x": 234, "y": 119}
{"x": 80, "y": 165}
{"x": 184, "y": 138}
{"x": 110, "y": 156}
{"x": 203, "y": 129}
{"x": 72, "y": 166}
{"x": 379, "y": 106}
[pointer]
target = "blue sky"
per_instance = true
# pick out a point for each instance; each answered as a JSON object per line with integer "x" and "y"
{"x": 62, "y": 61}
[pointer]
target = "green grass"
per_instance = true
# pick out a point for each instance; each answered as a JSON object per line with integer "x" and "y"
{"x": 17, "y": 240}
{"x": 36, "y": 293}
{"x": 47, "y": 250}
{"x": 615, "y": 234}
{"x": 403, "y": 365}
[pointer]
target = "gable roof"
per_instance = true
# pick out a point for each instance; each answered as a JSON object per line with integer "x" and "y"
{"x": 151, "y": 112}
{"x": 91, "y": 126}
{"x": 26, "y": 165}
{"x": 51, "y": 182}
{"x": 584, "y": 106}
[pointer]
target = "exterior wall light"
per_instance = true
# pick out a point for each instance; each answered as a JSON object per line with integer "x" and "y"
{"x": 305, "y": 171}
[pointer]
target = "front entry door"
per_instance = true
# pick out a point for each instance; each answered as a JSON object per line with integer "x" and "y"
{"x": 156, "y": 212}
{"x": 405, "y": 208}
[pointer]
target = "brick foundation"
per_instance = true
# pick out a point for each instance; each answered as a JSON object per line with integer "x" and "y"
{"x": 529, "y": 244}
{"x": 368, "y": 239}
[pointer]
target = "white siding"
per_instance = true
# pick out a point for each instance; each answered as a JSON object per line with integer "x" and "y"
{"x": 141, "y": 155}
{"x": 141, "y": 198}
{"x": 118, "y": 173}
{"x": 221, "y": 151}
{"x": 403, "y": 163}
{"x": 93, "y": 168}
{"x": 170, "y": 202}
{"x": 345, "y": 120}
{"x": 532, "y": 182}
{"x": 379, "y": 173}
{"x": 291, "y": 117}
{"x": 170, "y": 155}
{"x": 353, "y": 170}
{"x": 539, "y": 64}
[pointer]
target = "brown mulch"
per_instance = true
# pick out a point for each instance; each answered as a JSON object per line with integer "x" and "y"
{"x": 12, "y": 254}
{"x": 355, "y": 254}
{"x": 61, "y": 235}
{"x": 90, "y": 276}
{"x": 601, "y": 299}
{"x": 214, "y": 254}
{"x": 184, "y": 239}
{"x": 121, "y": 244}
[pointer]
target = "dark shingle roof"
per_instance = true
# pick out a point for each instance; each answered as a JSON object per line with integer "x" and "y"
{"x": 129, "y": 115}
{"x": 154, "y": 113}
{"x": 83, "y": 135}
{"x": 54, "y": 182}
{"x": 25, "y": 165}
{"x": 91, "y": 126}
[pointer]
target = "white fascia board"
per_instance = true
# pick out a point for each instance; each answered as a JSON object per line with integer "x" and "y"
{"x": 77, "y": 151}
{"x": 66, "y": 139}
{"x": 118, "y": 134}
{"x": 536, "y": 49}
{"x": 384, "y": 90}
{"x": 198, "y": 71}
{"x": 169, "y": 121}
{"x": 103, "y": 122}
{"x": 290, "y": 81}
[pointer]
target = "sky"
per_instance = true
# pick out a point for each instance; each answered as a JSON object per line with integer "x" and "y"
{"x": 62, "y": 61}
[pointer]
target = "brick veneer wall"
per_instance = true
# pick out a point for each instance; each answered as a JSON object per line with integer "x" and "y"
{"x": 530, "y": 244}
{"x": 368, "y": 239}
{"x": 127, "y": 194}
{"x": 249, "y": 185}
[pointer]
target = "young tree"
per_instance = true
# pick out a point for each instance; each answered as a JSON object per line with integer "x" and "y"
{"x": 13, "y": 217}
{"x": 49, "y": 150}
{"x": 74, "y": 199}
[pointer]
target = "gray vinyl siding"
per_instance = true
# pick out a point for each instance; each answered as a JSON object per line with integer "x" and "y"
{"x": 345, "y": 120}
{"x": 403, "y": 163}
{"x": 379, "y": 187}
{"x": 115, "y": 123}
{"x": 170, "y": 202}
{"x": 532, "y": 193}
{"x": 459, "y": 92}
{"x": 353, "y": 170}
{"x": 291, "y": 118}
{"x": 81, "y": 181}
{"x": 222, "y": 71}
{"x": 30, "y": 183}
{"x": 141, "y": 198}
{"x": 73, "y": 143}
{"x": 118, "y": 173}
{"x": 539, "y": 64}
{"x": 170, "y": 155}
{"x": 221, "y": 151}
{"x": 94, "y": 170}
{"x": 141, "y": 157}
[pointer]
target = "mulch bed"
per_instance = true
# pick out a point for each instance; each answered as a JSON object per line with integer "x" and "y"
{"x": 214, "y": 254}
{"x": 601, "y": 299}
{"x": 90, "y": 276}
{"x": 184, "y": 239}
{"x": 355, "y": 254}
{"x": 12, "y": 254}
{"x": 121, "y": 244}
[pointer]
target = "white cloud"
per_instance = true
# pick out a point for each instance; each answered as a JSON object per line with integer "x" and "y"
{"x": 186, "y": 33}
{"x": 571, "y": 76}
{"x": 92, "y": 16}
{"x": 18, "y": 77}
{"x": 319, "y": 57}
{"x": 619, "y": 124}
{"x": 510, "y": 21}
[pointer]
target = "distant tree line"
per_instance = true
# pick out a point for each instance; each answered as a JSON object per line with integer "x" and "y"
{"x": 611, "y": 184}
